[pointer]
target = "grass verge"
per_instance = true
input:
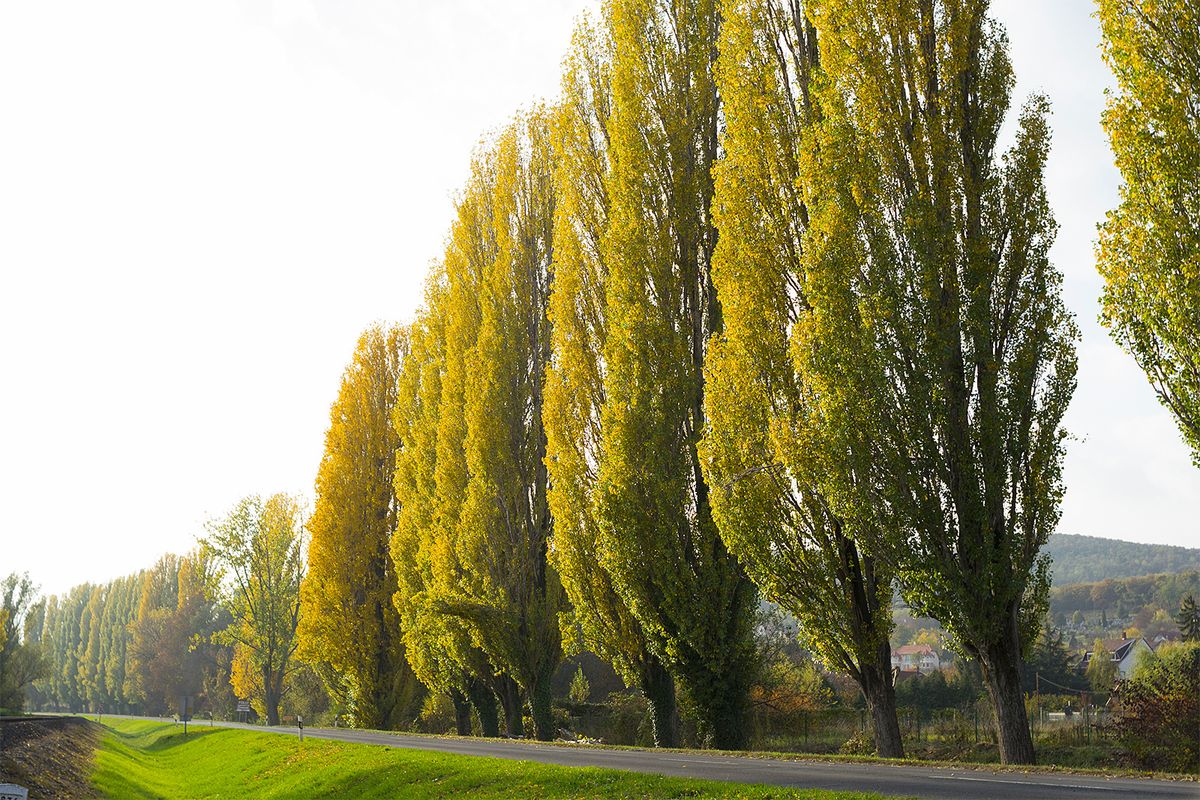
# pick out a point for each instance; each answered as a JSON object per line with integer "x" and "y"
{"x": 139, "y": 759}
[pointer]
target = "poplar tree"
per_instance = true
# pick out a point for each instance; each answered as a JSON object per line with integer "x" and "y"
{"x": 762, "y": 454}
{"x": 1149, "y": 251}
{"x": 657, "y": 535}
{"x": 348, "y": 619}
{"x": 938, "y": 350}
{"x": 472, "y": 249}
{"x": 437, "y": 646}
{"x": 510, "y": 596}
{"x": 575, "y": 381}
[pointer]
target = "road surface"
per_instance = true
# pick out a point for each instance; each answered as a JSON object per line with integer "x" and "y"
{"x": 928, "y": 783}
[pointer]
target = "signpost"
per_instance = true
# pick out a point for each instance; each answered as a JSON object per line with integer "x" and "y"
{"x": 243, "y": 708}
{"x": 185, "y": 710}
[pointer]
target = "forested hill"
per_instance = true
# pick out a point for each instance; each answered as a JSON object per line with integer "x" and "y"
{"x": 1085, "y": 559}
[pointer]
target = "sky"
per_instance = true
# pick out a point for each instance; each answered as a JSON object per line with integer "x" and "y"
{"x": 203, "y": 204}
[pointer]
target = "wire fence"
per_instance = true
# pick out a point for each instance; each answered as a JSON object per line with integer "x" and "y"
{"x": 831, "y": 730}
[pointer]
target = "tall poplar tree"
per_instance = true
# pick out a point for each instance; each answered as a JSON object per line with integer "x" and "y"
{"x": 575, "y": 381}
{"x": 510, "y": 596}
{"x": 348, "y": 619}
{"x": 1149, "y": 251}
{"x": 938, "y": 350}
{"x": 657, "y": 535}
{"x": 770, "y": 500}
{"x": 438, "y": 647}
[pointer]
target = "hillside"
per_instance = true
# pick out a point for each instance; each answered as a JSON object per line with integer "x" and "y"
{"x": 1125, "y": 596}
{"x": 1086, "y": 559}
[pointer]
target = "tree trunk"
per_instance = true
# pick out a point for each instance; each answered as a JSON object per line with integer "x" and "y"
{"x": 722, "y": 700}
{"x": 659, "y": 688}
{"x": 727, "y": 721}
{"x": 540, "y": 710}
{"x": 270, "y": 699}
{"x": 462, "y": 713}
{"x": 272, "y": 707}
{"x": 484, "y": 700}
{"x": 510, "y": 700}
{"x": 881, "y": 701}
{"x": 1002, "y": 674}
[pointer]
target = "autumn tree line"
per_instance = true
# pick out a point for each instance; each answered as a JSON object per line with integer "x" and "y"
{"x": 759, "y": 308}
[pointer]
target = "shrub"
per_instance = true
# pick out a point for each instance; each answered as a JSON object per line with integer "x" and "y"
{"x": 437, "y": 714}
{"x": 860, "y": 744}
{"x": 1159, "y": 709}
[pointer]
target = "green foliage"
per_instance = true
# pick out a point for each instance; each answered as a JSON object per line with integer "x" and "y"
{"x": 580, "y": 689}
{"x": 147, "y": 759}
{"x": 600, "y": 619}
{"x": 22, "y": 660}
{"x": 938, "y": 350}
{"x": 763, "y": 449}
{"x": 257, "y": 550}
{"x": 1164, "y": 591}
{"x": 423, "y": 547}
{"x": 939, "y": 689}
{"x": 1102, "y": 671}
{"x": 86, "y": 637}
{"x": 657, "y": 536}
{"x": 1087, "y": 559}
{"x": 1050, "y": 658}
{"x": 510, "y": 597}
{"x": 478, "y": 597}
{"x": 1188, "y": 619}
{"x": 1149, "y": 251}
{"x": 1159, "y": 709}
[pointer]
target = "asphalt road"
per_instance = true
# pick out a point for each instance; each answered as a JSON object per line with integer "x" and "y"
{"x": 934, "y": 783}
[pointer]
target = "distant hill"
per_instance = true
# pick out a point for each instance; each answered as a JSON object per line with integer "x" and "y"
{"x": 1085, "y": 559}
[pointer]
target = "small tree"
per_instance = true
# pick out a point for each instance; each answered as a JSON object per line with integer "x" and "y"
{"x": 1189, "y": 619}
{"x": 580, "y": 689}
{"x": 1101, "y": 670}
{"x": 20, "y": 662}
{"x": 260, "y": 547}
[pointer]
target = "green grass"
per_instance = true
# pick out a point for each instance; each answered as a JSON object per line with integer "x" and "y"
{"x": 153, "y": 759}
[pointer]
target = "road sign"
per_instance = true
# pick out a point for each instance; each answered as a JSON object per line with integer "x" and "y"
{"x": 243, "y": 706}
{"x": 10, "y": 791}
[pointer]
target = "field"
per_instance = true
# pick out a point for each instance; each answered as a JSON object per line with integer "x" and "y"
{"x": 150, "y": 759}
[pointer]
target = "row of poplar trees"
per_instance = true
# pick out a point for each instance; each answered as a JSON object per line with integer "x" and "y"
{"x": 758, "y": 308}
{"x": 134, "y": 644}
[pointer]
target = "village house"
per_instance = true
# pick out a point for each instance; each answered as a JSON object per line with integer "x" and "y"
{"x": 916, "y": 657}
{"x": 1125, "y": 652}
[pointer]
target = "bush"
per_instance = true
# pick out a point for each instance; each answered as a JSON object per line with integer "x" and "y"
{"x": 437, "y": 714}
{"x": 1158, "y": 709}
{"x": 629, "y": 720}
{"x": 859, "y": 744}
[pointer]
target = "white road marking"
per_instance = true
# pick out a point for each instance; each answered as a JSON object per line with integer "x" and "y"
{"x": 1030, "y": 783}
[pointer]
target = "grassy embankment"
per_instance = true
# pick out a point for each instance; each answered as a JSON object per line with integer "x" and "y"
{"x": 152, "y": 759}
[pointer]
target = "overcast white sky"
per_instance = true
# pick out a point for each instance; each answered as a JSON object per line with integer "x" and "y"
{"x": 202, "y": 204}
